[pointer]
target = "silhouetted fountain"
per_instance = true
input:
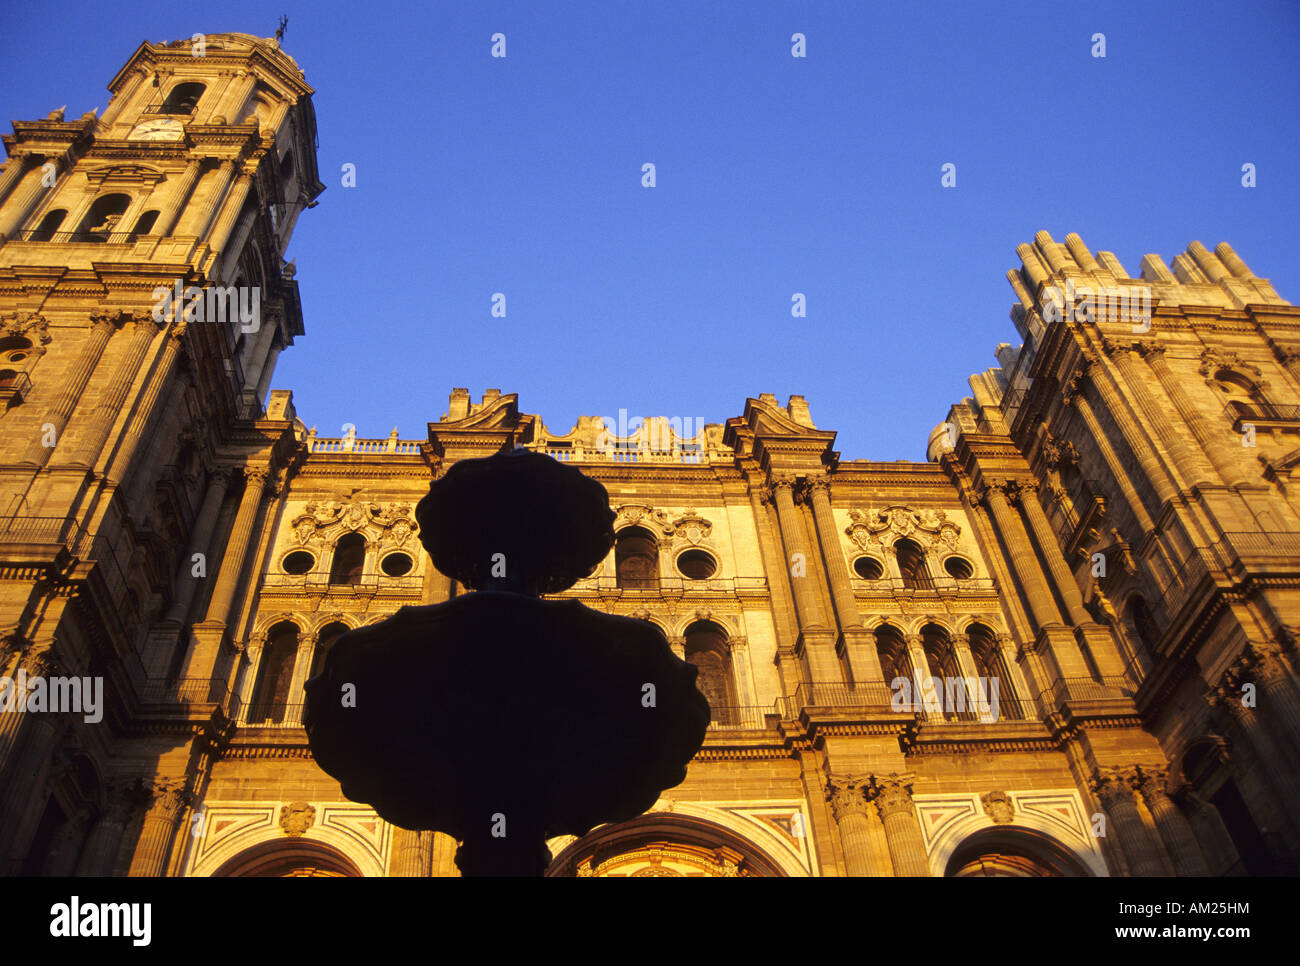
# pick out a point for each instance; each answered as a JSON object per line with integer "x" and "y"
{"x": 497, "y": 717}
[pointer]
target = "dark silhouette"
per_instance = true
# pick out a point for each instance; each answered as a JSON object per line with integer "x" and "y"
{"x": 497, "y": 717}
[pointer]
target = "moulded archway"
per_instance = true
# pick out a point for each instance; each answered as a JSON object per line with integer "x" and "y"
{"x": 666, "y": 844}
{"x": 1014, "y": 852}
{"x": 289, "y": 858}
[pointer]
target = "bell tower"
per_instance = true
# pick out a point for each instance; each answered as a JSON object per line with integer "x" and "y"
{"x": 144, "y": 299}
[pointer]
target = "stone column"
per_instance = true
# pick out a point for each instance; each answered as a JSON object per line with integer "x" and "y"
{"x": 101, "y": 330}
{"x": 1267, "y": 666}
{"x": 167, "y": 799}
{"x": 203, "y": 656}
{"x": 893, "y": 798}
{"x": 1019, "y": 683}
{"x": 230, "y": 212}
{"x": 15, "y": 649}
{"x": 678, "y": 644}
{"x": 176, "y": 202}
{"x": 858, "y": 645}
{"x": 1073, "y": 396}
{"x": 236, "y": 96}
{"x": 443, "y": 864}
{"x": 1041, "y": 606}
{"x": 162, "y": 371}
{"x": 201, "y": 534}
{"x": 1213, "y": 443}
{"x": 99, "y": 854}
{"x": 123, "y": 96}
{"x": 852, "y": 811}
{"x": 1139, "y": 442}
{"x": 29, "y": 740}
{"x": 792, "y": 535}
{"x": 198, "y": 220}
{"x": 1173, "y": 827}
{"x": 823, "y": 665}
{"x": 1185, "y": 461}
{"x": 981, "y": 705}
{"x": 1114, "y": 790}
{"x": 921, "y": 673}
{"x": 26, "y": 195}
{"x": 414, "y": 853}
{"x": 13, "y": 172}
{"x": 1046, "y": 538}
{"x": 232, "y": 562}
{"x": 99, "y": 423}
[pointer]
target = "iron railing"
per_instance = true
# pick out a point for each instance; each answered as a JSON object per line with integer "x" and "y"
{"x": 87, "y": 237}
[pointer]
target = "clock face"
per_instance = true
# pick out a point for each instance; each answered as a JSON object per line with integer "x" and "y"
{"x": 161, "y": 129}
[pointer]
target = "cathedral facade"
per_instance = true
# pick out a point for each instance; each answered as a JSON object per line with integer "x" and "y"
{"x": 1064, "y": 645}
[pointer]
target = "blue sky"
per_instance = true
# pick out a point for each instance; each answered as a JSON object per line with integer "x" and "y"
{"x": 775, "y": 175}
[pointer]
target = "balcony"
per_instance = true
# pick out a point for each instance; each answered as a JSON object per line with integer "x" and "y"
{"x": 74, "y": 237}
{"x": 1262, "y": 414}
{"x": 320, "y": 585}
{"x": 936, "y": 587}
{"x": 15, "y": 387}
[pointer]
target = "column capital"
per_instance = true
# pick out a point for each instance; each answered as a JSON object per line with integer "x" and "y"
{"x": 39, "y": 662}
{"x": 1073, "y": 386}
{"x": 1265, "y": 660}
{"x": 1149, "y": 349}
{"x": 892, "y": 795}
{"x": 1113, "y": 786}
{"x": 847, "y": 795}
{"x": 165, "y": 795}
{"x": 819, "y": 484}
{"x": 1152, "y": 781}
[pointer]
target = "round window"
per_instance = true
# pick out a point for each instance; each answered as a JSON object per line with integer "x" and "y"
{"x": 958, "y": 567}
{"x": 697, "y": 565}
{"x": 396, "y": 565}
{"x": 297, "y": 563}
{"x": 868, "y": 568}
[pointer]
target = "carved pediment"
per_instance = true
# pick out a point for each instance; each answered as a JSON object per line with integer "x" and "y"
{"x": 21, "y": 325}
{"x": 641, "y": 515}
{"x": 692, "y": 527}
{"x": 879, "y": 526}
{"x": 325, "y": 521}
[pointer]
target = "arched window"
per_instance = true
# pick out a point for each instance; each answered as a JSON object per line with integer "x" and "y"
{"x": 911, "y": 565}
{"x": 49, "y": 225}
{"x": 144, "y": 224}
{"x": 991, "y": 668}
{"x": 942, "y": 659}
{"x": 183, "y": 99}
{"x": 101, "y": 221}
{"x": 894, "y": 659}
{"x": 324, "y": 641}
{"x": 636, "y": 559}
{"x": 706, "y": 648}
{"x": 274, "y": 674}
{"x": 349, "y": 560}
{"x": 1144, "y": 625}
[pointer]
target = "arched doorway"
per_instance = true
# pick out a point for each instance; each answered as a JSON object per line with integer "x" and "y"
{"x": 1013, "y": 852}
{"x": 289, "y": 858}
{"x": 663, "y": 845}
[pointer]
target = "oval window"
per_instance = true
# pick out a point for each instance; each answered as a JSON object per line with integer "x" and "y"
{"x": 396, "y": 565}
{"x": 868, "y": 568}
{"x": 697, "y": 565}
{"x": 958, "y": 567}
{"x": 298, "y": 563}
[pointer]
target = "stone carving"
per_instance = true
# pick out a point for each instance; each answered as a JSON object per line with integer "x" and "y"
{"x": 21, "y": 325}
{"x": 325, "y": 521}
{"x": 847, "y": 795}
{"x": 998, "y": 807}
{"x": 692, "y": 527}
{"x": 638, "y": 514}
{"x": 297, "y": 817}
{"x": 873, "y": 527}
